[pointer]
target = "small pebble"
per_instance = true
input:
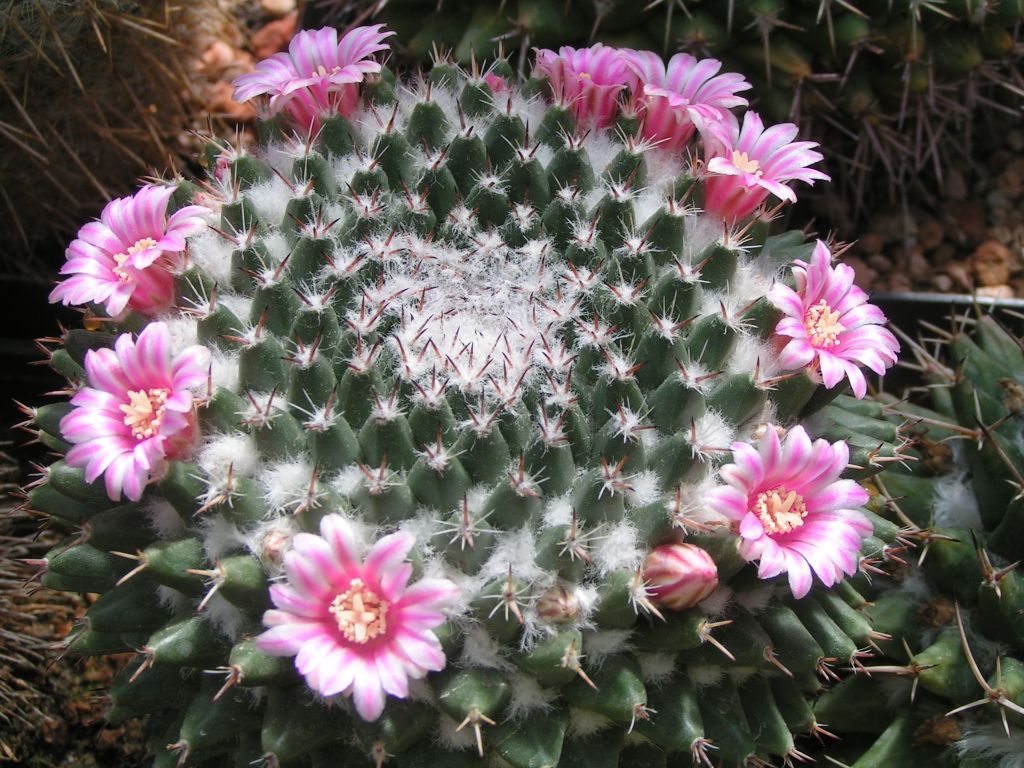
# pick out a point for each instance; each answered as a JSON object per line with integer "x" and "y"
{"x": 930, "y": 233}
{"x": 871, "y": 242}
{"x": 992, "y": 262}
{"x": 918, "y": 266}
{"x": 879, "y": 262}
{"x": 275, "y": 36}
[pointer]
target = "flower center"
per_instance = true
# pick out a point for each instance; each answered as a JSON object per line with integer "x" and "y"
{"x": 746, "y": 164}
{"x": 360, "y": 612}
{"x": 322, "y": 71}
{"x": 780, "y": 510}
{"x": 121, "y": 258}
{"x": 144, "y": 411}
{"x": 823, "y": 326}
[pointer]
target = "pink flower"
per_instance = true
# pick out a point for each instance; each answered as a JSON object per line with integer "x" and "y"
{"x": 793, "y": 513}
{"x": 830, "y": 324}
{"x": 686, "y": 95}
{"x": 496, "y": 83}
{"x": 587, "y": 80}
{"x": 136, "y": 412}
{"x": 319, "y": 75}
{"x": 355, "y": 625}
{"x": 128, "y": 258}
{"x": 747, "y": 164}
{"x": 678, "y": 576}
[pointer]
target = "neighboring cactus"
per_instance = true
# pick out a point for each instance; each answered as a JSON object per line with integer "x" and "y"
{"x": 956, "y": 612}
{"x": 893, "y": 88}
{"x": 438, "y": 399}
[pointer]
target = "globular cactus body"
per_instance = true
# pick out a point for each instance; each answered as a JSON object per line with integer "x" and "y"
{"x": 438, "y": 400}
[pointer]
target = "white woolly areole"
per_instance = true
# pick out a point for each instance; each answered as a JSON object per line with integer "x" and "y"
{"x": 224, "y": 370}
{"x": 601, "y": 149}
{"x": 954, "y": 504}
{"x": 172, "y": 599}
{"x": 528, "y": 696}
{"x": 711, "y": 434}
{"x": 235, "y": 451}
{"x": 212, "y": 254}
{"x": 755, "y": 599}
{"x": 182, "y": 330}
{"x": 644, "y": 487}
{"x": 515, "y": 549}
{"x": 616, "y": 548}
{"x": 558, "y": 511}
{"x": 286, "y": 485}
{"x": 348, "y": 480}
{"x": 479, "y": 649}
{"x": 221, "y": 537}
{"x": 717, "y": 603}
{"x": 239, "y": 305}
{"x": 164, "y": 519}
{"x": 749, "y": 354}
{"x": 270, "y": 198}
{"x": 225, "y": 617}
{"x": 989, "y": 740}
{"x": 704, "y": 675}
{"x": 602, "y": 644}
{"x": 277, "y": 246}
{"x": 656, "y": 668}
{"x": 452, "y": 739}
{"x": 584, "y": 723}
{"x": 690, "y": 505}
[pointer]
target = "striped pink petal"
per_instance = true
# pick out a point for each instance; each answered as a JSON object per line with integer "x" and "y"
{"x": 365, "y": 631}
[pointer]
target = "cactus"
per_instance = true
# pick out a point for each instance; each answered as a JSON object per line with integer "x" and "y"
{"x": 413, "y": 425}
{"x": 891, "y": 87}
{"x": 955, "y": 610}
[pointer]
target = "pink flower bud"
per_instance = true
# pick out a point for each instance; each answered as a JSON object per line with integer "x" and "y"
{"x": 559, "y": 605}
{"x": 679, "y": 576}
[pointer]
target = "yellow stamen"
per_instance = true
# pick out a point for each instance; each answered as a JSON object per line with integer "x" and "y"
{"x": 745, "y": 163}
{"x": 780, "y": 510}
{"x": 360, "y": 612}
{"x": 822, "y": 325}
{"x": 144, "y": 411}
{"x": 121, "y": 258}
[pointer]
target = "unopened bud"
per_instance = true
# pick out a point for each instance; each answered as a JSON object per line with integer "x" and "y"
{"x": 678, "y": 576}
{"x": 559, "y": 605}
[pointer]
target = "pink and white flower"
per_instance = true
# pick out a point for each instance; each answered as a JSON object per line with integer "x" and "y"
{"x": 678, "y": 576}
{"x": 129, "y": 257}
{"x": 136, "y": 411}
{"x": 747, "y": 164}
{"x": 793, "y": 513}
{"x": 319, "y": 75}
{"x": 830, "y": 325}
{"x": 686, "y": 95}
{"x": 354, "y": 624}
{"x": 586, "y": 80}
{"x": 496, "y": 83}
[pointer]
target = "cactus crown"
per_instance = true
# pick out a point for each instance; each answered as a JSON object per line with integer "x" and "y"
{"x": 454, "y": 374}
